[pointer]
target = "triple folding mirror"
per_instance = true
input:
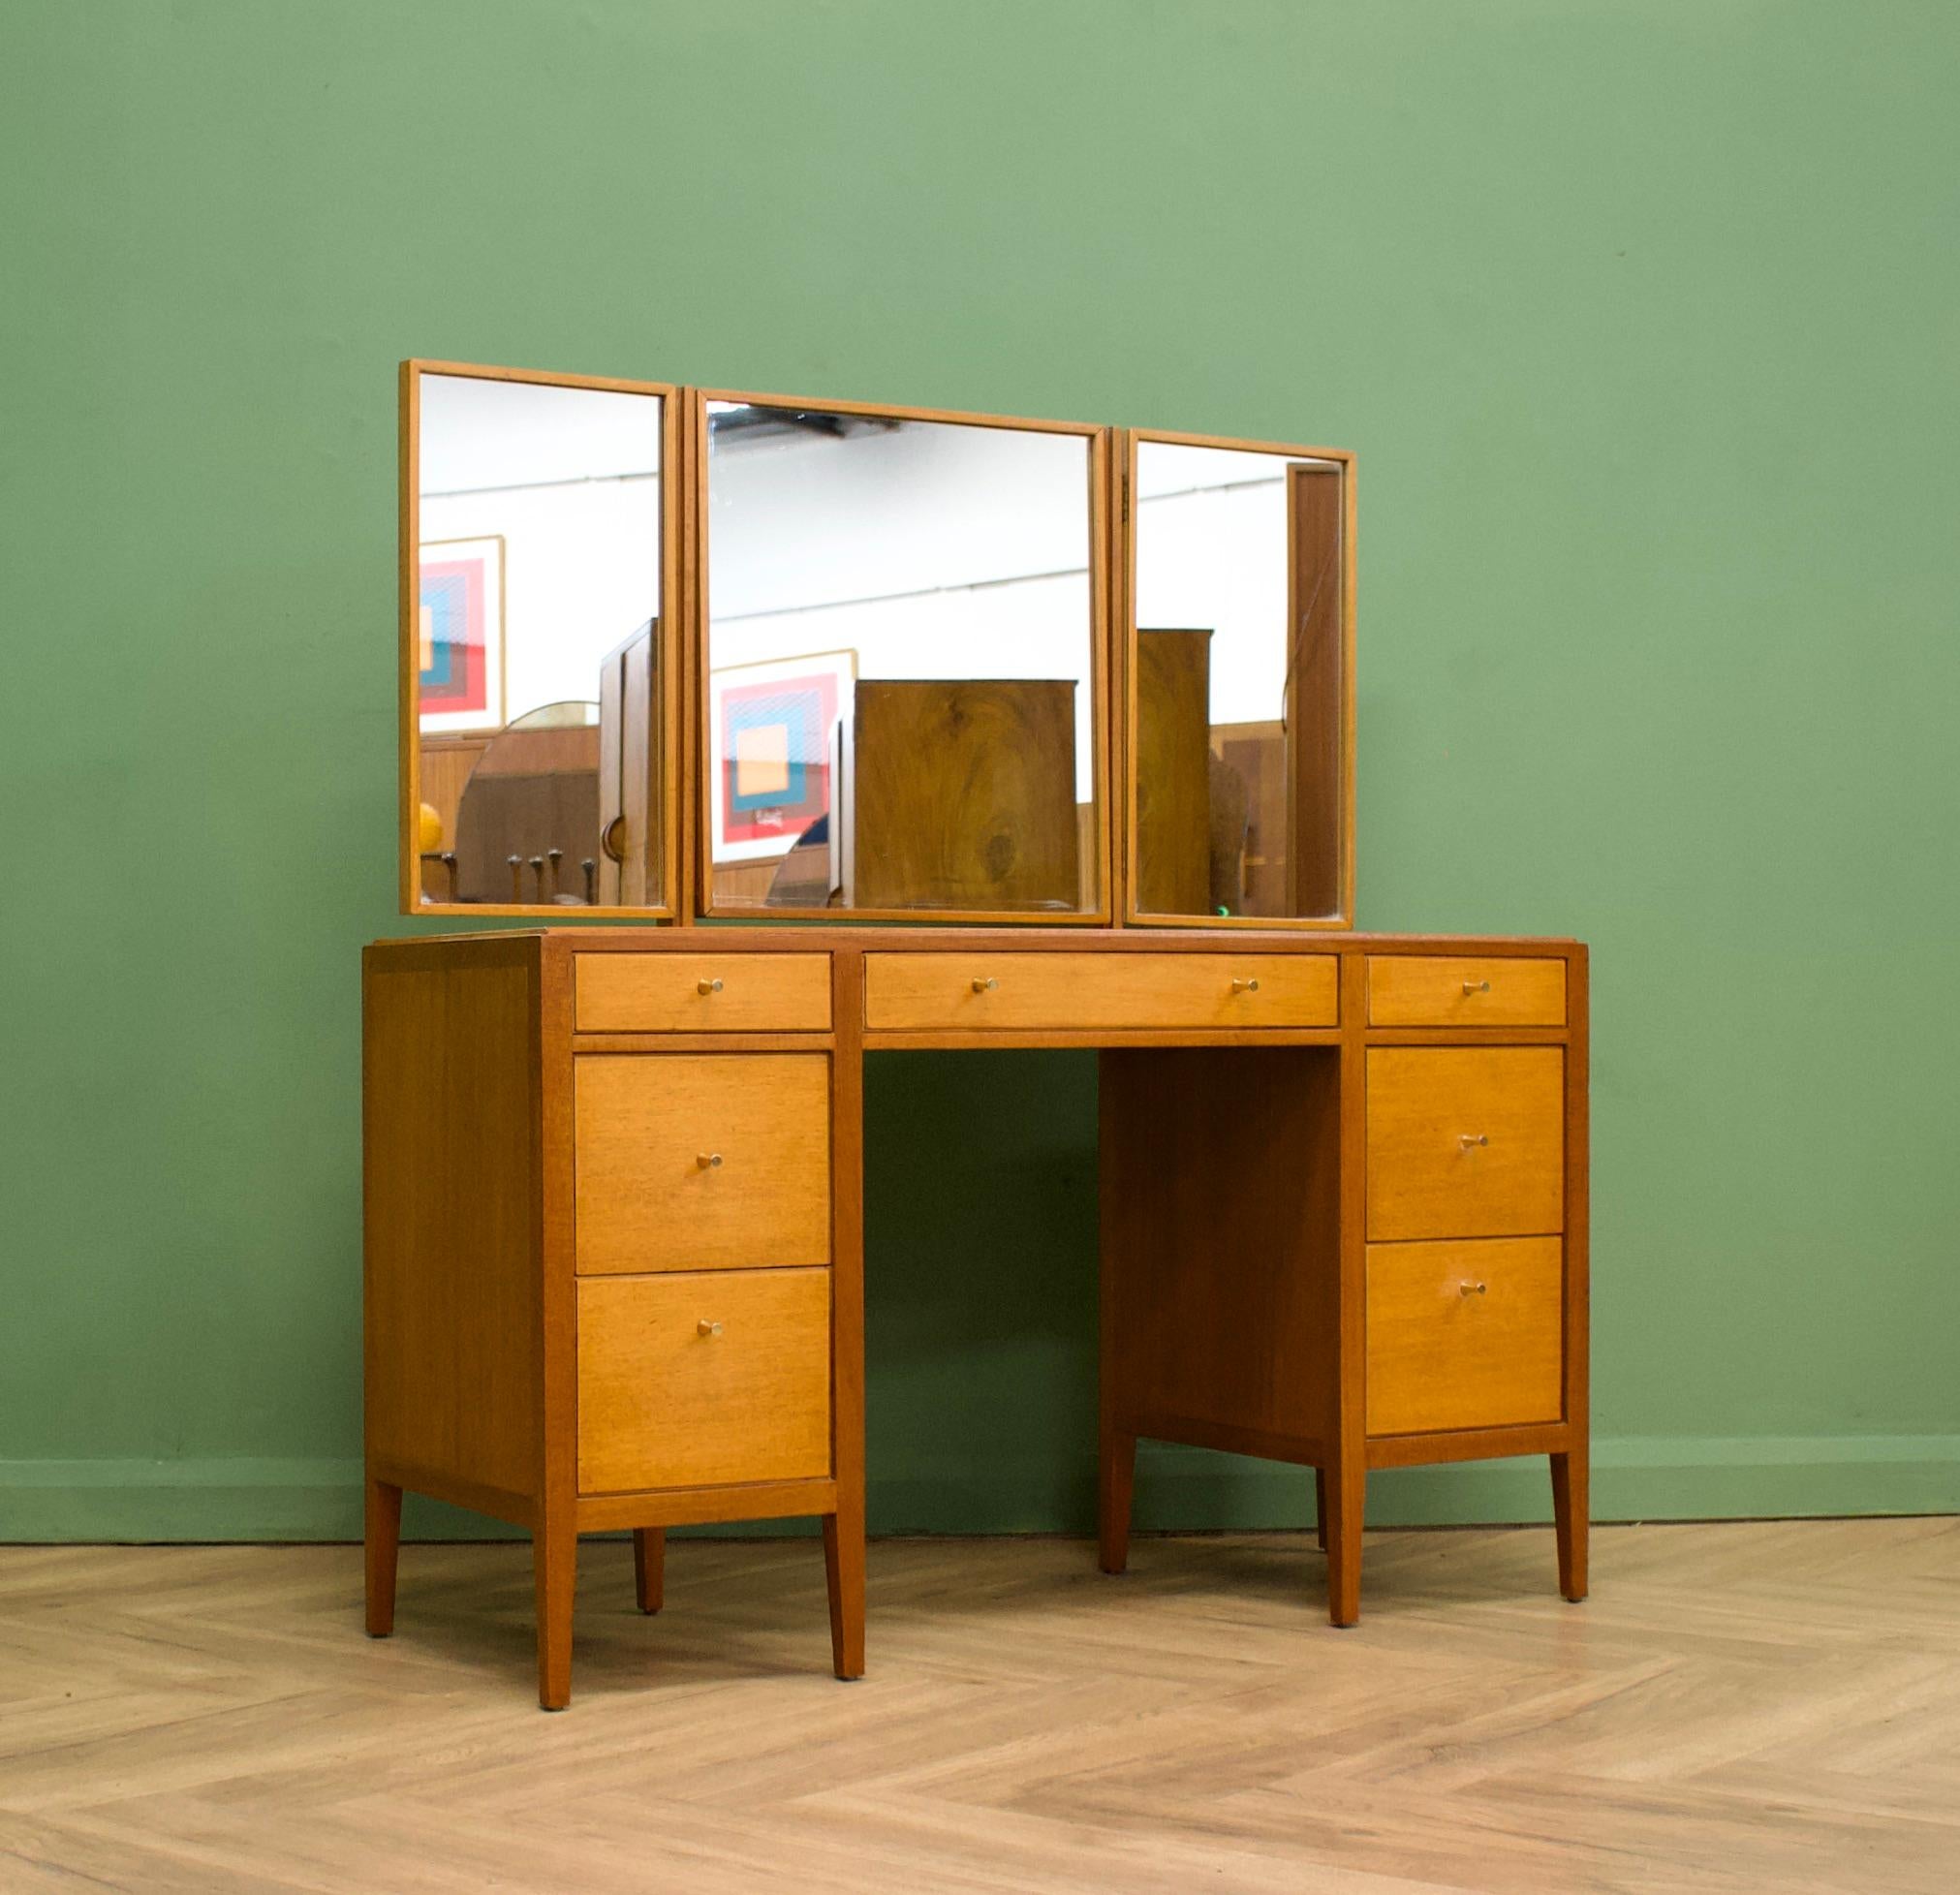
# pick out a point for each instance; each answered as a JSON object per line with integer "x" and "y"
{"x": 688, "y": 654}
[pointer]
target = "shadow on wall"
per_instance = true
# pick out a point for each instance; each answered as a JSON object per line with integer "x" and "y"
{"x": 980, "y": 1260}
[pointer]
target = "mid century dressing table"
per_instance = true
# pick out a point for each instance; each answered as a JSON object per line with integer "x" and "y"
{"x": 1083, "y": 698}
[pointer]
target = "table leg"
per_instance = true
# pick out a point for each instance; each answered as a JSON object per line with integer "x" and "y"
{"x": 649, "y": 1566}
{"x": 1115, "y": 1487}
{"x": 1347, "y": 1480}
{"x": 554, "y": 1566}
{"x": 844, "y": 1574}
{"x": 1570, "y": 1502}
{"x": 382, "y": 1539}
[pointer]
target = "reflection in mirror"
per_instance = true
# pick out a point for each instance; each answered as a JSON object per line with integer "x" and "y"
{"x": 1238, "y": 679}
{"x": 539, "y": 606}
{"x": 901, "y": 664}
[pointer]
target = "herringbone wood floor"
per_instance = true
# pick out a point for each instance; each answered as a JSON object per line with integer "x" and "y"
{"x": 1738, "y": 1708}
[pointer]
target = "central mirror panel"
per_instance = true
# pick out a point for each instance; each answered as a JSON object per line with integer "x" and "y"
{"x": 903, "y": 675}
{"x": 534, "y": 639}
{"x": 1241, "y": 681}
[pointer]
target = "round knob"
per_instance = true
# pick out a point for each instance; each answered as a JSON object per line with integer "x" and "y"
{"x": 707, "y": 987}
{"x": 1476, "y": 986}
{"x": 709, "y": 1160}
{"x": 706, "y": 1328}
{"x": 1246, "y": 986}
{"x": 1471, "y": 1139}
{"x": 1473, "y": 1289}
{"x": 984, "y": 986}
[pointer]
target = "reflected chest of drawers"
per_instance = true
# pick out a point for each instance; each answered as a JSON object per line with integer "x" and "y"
{"x": 615, "y": 1244}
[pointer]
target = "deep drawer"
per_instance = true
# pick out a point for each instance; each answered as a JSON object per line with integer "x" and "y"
{"x": 1464, "y": 1335}
{"x": 1466, "y": 1141}
{"x": 701, "y": 1160}
{"x": 700, "y": 1380}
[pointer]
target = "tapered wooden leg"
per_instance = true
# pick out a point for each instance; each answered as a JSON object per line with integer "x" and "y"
{"x": 1570, "y": 1502}
{"x": 383, "y": 1539}
{"x": 1320, "y": 1508}
{"x": 554, "y": 1566}
{"x": 844, "y": 1573}
{"x": 1345, "y": 1487}
{"x": 649, "y": 1566}
{"x": 1115, "y": 1487}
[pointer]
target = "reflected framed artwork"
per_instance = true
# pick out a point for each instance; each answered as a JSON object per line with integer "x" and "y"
{"x": 461, "y": 623}
{"x": 774, "y": 730}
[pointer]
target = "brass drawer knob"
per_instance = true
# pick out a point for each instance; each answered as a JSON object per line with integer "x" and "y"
{"x": 1473, "y": 1289}
{"x": 707, "y": 987}
{"x": 1476, "y": 986}
{"x": 984, "y": 985}
{"x": 707, "y": 1329}
{"x": 1471, "y": 1139}
{"x": 709, "y": 1160}
{"x": 1250, "y": 987}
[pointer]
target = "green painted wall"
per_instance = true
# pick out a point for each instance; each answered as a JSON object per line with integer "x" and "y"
{"x": 1642, "y": 318}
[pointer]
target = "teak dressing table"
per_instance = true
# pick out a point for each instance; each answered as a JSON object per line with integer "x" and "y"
{"x": 614, "y": 1206}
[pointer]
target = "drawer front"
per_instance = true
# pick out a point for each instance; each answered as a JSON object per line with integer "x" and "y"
{"x": 701, "y": 1160}
{"x": 985, "y": 991}
{"x": 1466, "y": 1141}
{"x": 668, "y": 1399}
{"x": 1465, "y": 1335}
{"x": 1424, "y": 990}
{"x": 702, "y": 993}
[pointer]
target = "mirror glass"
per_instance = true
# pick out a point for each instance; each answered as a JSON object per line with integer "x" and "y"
{"x": 538, "y": 529}
{"x": 1237, "y": 673}
{"x": 901, "y": 678}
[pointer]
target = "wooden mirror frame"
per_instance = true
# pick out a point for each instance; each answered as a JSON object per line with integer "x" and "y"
{"x": 699, "y": 893}
{"x": 665, "y": 773}
{"x": 680, "y": 779}
{"x": 1125, "y": 615}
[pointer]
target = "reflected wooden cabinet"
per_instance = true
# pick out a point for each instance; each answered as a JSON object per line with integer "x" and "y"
{"x": 629, "y": 808}
{"x": 962, "y": 797}
{"x": 1191, "y": 853}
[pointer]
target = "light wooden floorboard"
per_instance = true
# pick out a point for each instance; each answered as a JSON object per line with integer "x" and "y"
{"x": 1771, "y": 1706}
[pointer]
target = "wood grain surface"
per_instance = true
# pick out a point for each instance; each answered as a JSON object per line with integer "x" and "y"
{"x": 1762, "y": 1707}
{"x": 703, "y": 1377}
{"x": 1091, "y": 991}
{"x": 702, "y": 1160}
{"x": 1459, "y": 990}
{"x": 1464, "y": 1335}
{"x": 702, "y": 993}
{"x": 1465, "y": 1141}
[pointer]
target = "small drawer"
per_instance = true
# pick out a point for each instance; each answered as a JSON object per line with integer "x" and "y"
{"x": 988, "y": 992}
{"x": 1465, "y": 1335}
{"x": 1424, "y": 990}
{"x": 1466, "y": 1141}
{"x": 700, "y": 993}
{"x": 701, "y": 1160}
{"x": 697, "y": 1380}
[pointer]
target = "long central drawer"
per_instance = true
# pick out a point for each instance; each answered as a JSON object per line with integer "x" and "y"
{"x": 985, "y": 991}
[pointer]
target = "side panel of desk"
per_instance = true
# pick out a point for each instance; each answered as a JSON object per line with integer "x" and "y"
{"x": 453, "y": 1191}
